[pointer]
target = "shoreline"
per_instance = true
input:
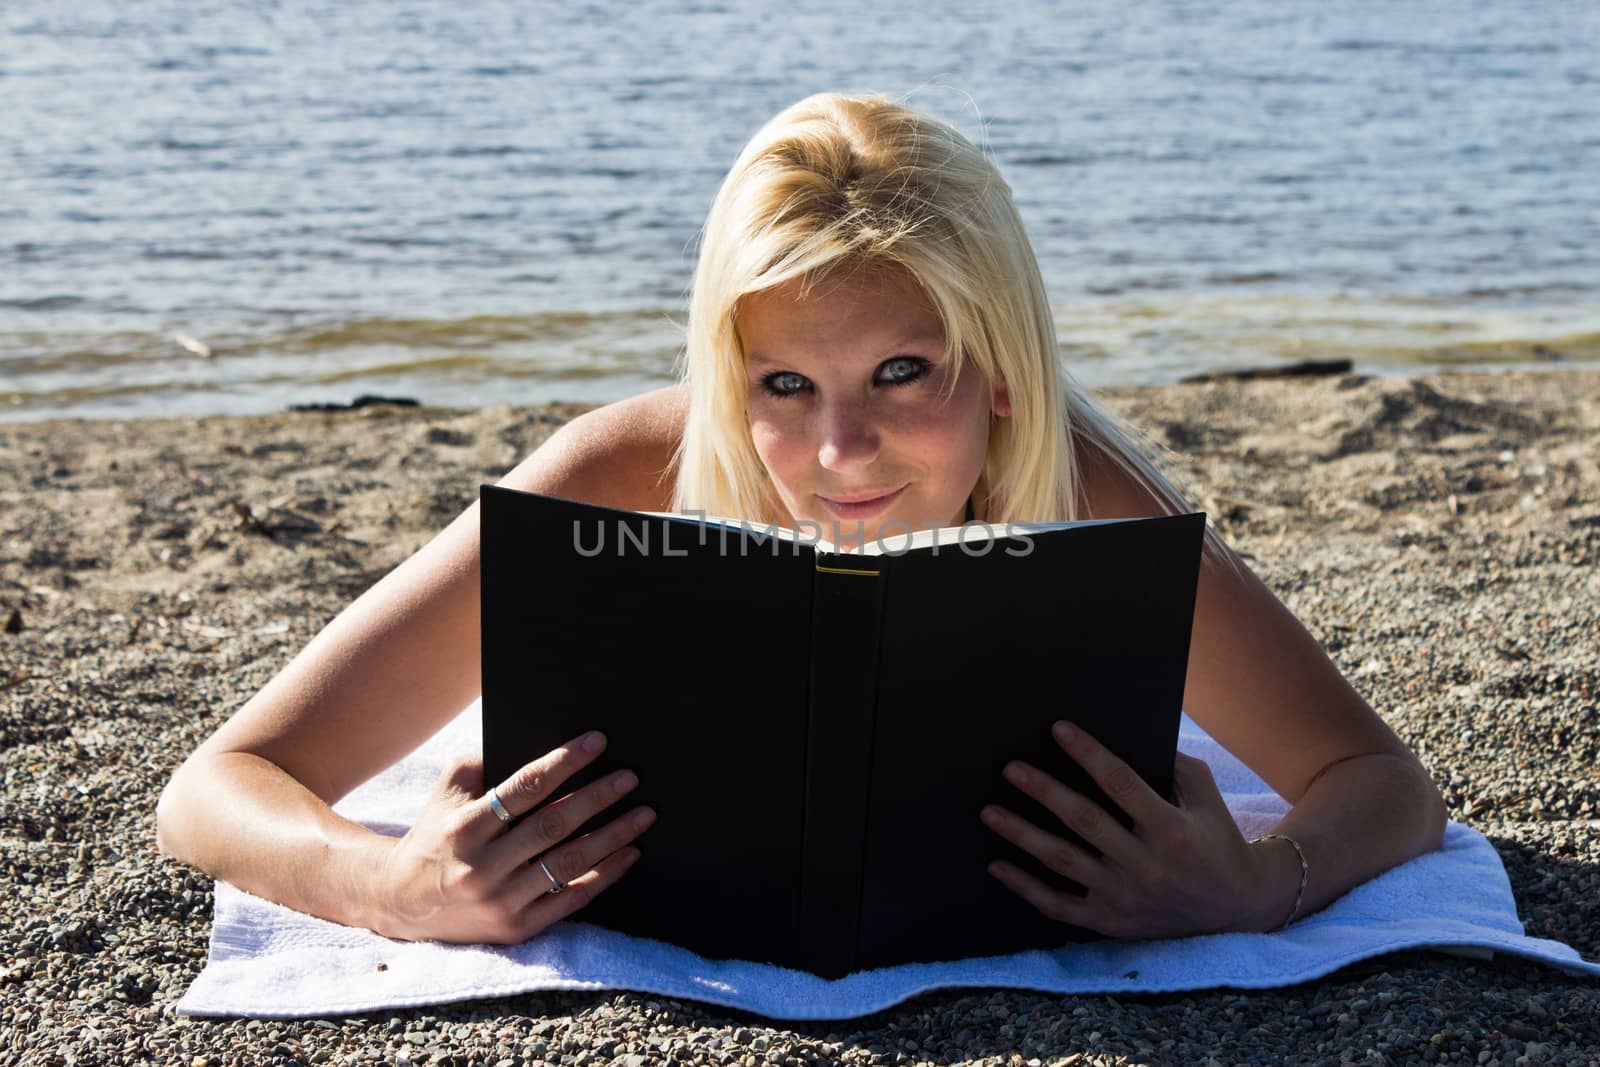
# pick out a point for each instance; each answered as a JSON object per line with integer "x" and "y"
{"x": 1294, "y": 367}
{"x": 1156, "y": 350}
{"x": 1439, "y": 534}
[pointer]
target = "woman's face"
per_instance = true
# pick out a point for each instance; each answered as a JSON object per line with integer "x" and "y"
{"x": 848, "y": 409}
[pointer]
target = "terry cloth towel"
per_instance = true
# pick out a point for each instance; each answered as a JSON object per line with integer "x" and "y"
{"x": 269, "y": 961}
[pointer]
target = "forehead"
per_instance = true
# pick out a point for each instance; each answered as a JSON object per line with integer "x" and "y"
{"x": 868, "y": 310}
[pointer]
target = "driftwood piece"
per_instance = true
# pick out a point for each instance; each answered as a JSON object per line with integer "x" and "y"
{"x": 363, "y": 401}
{"x": 1312, "y": 368}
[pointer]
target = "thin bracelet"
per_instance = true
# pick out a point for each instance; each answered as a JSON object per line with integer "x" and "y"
{"x": 1304, "y": 868}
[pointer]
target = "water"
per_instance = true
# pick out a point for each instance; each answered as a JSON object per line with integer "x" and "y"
{"x": 499, "y": 201}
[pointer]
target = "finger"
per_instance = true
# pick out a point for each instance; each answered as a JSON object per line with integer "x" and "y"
{"x": 534, "y": 783}
{"x": 1120, "y": 782}
{"x": 1079, "y": 814}
{"x": 461, "y": 779}
{"x": 548, "y": 826}
{"x": 1058, "y": 855}
{"x": 550, "y": 908}
{"x": 572, "y": 861}
{"x": 1051, "y": 903}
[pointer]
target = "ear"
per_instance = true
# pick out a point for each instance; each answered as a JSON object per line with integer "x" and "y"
{"x": 1001, "y": 404}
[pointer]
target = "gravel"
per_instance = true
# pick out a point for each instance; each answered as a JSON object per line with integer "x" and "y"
{"x": 1441, "y": 536}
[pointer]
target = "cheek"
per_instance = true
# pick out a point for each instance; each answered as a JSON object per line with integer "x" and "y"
{"x": 774, "y": 443}
{"x": 958, "y": 433}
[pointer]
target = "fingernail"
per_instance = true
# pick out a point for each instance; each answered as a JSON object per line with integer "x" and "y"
{"x": 1015, "y": 773}
{"x": 624, "y": 781}
{"x": 593, "y": 741}
{"x": 643, "y": 818}
{"x": 990, "y": 816}
{"x": 1065, "y": 732}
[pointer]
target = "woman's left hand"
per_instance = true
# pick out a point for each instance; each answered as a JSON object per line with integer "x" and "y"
{"x": 1184, "y": 868}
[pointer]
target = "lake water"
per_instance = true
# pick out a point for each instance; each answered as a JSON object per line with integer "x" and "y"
{"x": 498, "y": 201}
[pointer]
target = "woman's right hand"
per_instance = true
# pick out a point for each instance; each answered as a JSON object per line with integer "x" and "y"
{"x": 463, "y": 874}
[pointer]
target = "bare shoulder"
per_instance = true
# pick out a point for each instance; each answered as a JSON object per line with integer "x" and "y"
{"x": 619, "y": 455}
{"x": 1257, "y": 682}
{"x": 1106, "y": 490}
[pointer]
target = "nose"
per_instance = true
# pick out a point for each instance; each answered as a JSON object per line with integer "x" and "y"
{"x": 849, "y": 436}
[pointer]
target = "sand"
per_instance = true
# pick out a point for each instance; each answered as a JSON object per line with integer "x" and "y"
{"x": 1441, "y": 537}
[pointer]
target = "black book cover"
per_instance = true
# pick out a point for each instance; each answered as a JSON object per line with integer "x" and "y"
{"x": 817, "y": 731}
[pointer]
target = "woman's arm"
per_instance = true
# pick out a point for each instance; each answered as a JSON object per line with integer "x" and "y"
{"x": 1260, "y": 684}
{"x": 252, "y": 804}
{"x": 1262, "y": 687}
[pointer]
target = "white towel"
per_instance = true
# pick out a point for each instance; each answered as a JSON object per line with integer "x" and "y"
{"x": 269, "y": 961}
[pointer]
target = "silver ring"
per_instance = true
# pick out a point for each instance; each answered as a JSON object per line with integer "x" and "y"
{"x": 498, "y": 808}
{"x": 556, "y": 885}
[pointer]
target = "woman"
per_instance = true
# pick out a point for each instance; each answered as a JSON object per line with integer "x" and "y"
{"x": 869, "y": 341}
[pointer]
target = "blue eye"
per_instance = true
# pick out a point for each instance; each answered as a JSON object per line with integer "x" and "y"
{"x": 902, "y": 370}
{"x": 783, "y": 383}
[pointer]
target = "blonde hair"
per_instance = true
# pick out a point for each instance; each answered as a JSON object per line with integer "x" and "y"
{"x": 842, "y": 182}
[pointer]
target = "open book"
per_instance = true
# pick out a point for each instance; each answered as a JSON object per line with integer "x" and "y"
{"x": 816, "y": 730}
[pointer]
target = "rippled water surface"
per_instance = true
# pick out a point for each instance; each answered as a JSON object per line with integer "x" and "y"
{"x": 472, "y": 203}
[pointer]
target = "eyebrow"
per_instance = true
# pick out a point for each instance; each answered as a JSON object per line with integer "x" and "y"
{"x": 761, "y": 359}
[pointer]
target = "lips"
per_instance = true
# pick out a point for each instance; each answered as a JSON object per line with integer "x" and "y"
{"x": 860, "y": 498}
{"x": 861, "y": 505}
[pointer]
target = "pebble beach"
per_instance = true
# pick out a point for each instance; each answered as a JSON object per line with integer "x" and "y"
{"x": 1440, "y": 535}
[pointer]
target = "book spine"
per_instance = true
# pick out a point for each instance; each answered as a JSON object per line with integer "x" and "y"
{"x": 845, "y": 612}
